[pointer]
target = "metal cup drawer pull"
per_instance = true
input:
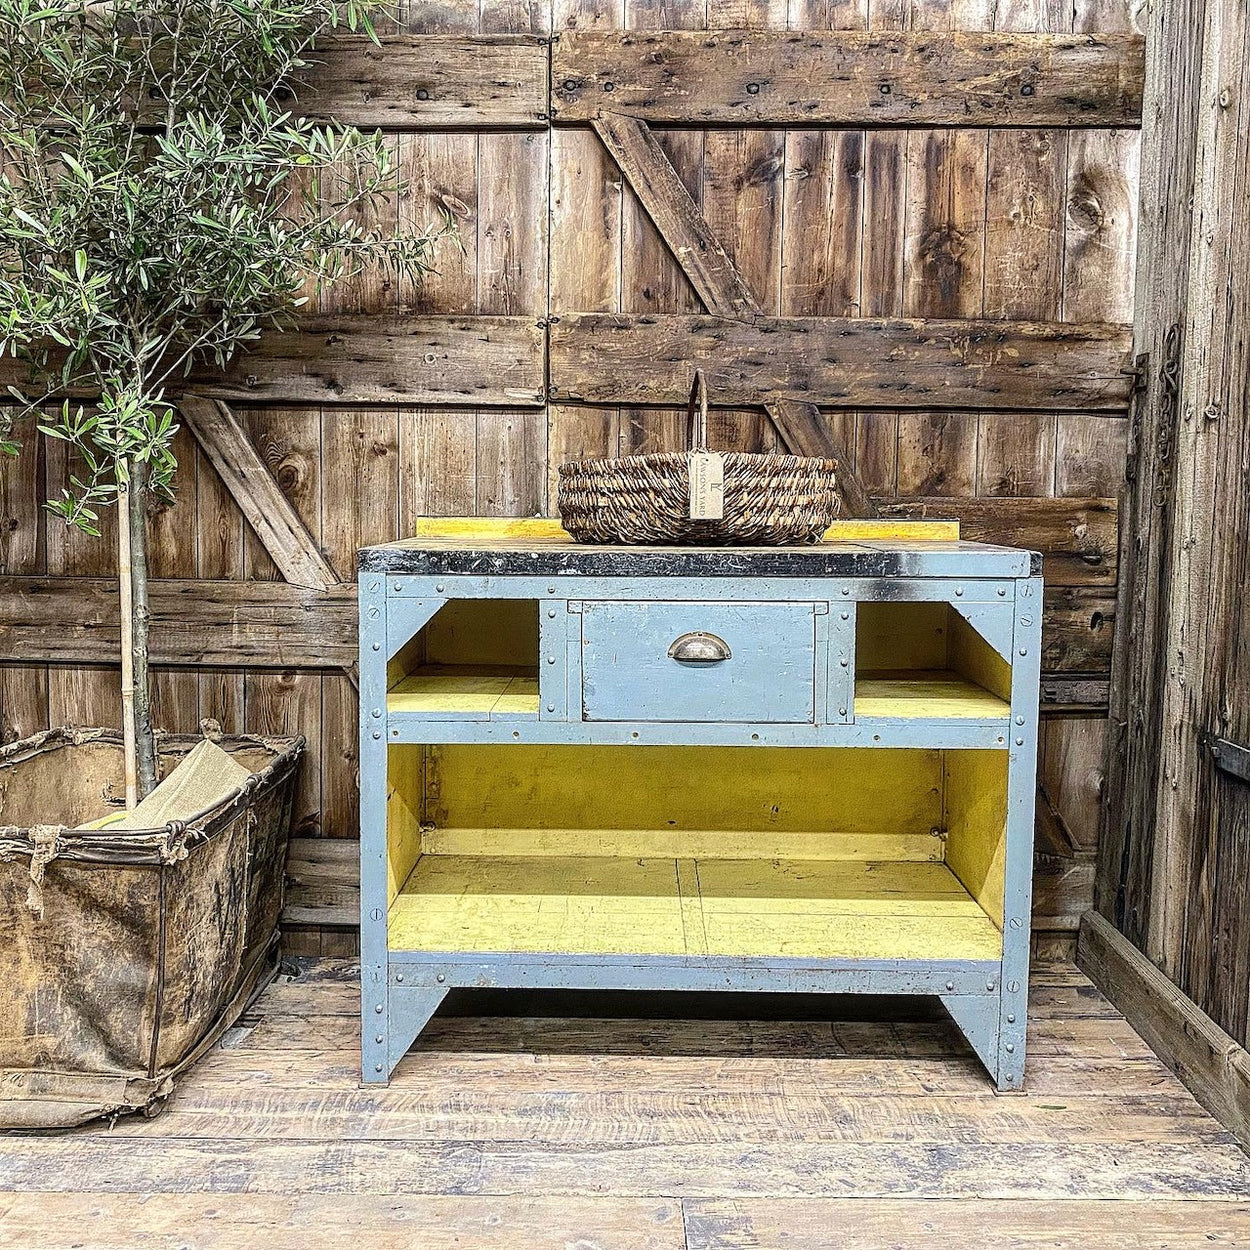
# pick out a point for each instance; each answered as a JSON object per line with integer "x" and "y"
{"x": 699, "y": 648}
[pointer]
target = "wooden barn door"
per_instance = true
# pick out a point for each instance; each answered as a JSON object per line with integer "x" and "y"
{"x": 915, "y": 250}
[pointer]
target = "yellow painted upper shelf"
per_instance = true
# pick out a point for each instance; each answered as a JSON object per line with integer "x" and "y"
{"x": 735, "y": 908}
{"x": 928, "y": 694}
{"x": 479, "y": 696}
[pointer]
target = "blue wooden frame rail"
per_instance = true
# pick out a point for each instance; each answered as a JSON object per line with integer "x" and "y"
{"x": 614, "y": 684}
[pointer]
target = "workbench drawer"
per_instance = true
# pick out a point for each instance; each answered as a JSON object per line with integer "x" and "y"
{"x": 720, "y": 662}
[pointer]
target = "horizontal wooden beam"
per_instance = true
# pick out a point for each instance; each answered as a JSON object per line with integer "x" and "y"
{"x": 842, "y": 362}
{"x": 1078, "y": 623}
{"x": 73, "y": 620}
{"x": 428, "y": 82}
{"x": 1078, "y": 536}
{"x": 1214, "y": 1066}
{"x": 483, "y": 361}
{"x": 1068, "y": 693}
{"x": 848, "y": 78}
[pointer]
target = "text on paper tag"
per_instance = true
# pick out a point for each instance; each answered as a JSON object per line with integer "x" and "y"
{"x": 707, "y": 486}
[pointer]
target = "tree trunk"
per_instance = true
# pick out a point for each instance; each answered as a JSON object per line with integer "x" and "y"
{"x": 145, "y": 742}
{"x": 125, "y": 596}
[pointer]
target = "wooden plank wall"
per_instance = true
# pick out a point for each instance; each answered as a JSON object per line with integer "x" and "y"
{"x": 1175, "y": 869}
{"x": 1023, "y": 224}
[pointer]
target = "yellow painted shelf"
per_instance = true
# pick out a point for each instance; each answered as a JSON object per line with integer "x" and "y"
{"x": 925, "y": 694}
{"x": 615, "y": 906}
{"x": 478, "y": 695}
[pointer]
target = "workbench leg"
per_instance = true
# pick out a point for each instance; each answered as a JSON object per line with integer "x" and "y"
{"x": 373, "y": 848}
{"x": 411, "y": 1009}
{"x": 977, "y": 1016}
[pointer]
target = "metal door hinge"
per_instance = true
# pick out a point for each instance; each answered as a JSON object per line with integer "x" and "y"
{"x": 1229, "y": 757}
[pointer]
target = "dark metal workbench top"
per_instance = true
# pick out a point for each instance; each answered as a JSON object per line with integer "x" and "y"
{"x": 519, "y": 556}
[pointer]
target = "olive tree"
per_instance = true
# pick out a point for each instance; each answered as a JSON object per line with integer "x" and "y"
{"x": 159, "y": 210}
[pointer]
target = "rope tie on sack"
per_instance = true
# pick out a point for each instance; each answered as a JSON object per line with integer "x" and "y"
{"x": 47, "y": 842}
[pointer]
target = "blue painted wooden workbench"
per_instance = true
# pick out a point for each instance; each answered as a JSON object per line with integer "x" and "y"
{"x": 796, "y": 769}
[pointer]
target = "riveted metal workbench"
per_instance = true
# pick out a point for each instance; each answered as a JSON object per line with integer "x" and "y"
{"x": 797, "y": 769}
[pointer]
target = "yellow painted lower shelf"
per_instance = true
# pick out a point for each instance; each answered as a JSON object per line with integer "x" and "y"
{"x": 932, "y": 694}
{"x": 747, "y": 908}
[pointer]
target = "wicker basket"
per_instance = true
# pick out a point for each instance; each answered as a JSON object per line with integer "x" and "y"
{"x": 762, "y": 499}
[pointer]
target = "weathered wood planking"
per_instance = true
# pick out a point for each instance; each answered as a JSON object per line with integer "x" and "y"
{"x": 482, "y": 360}
{"x": 381, "y": 358}
{"x": 427, "y": 82}
{"x": 1079, "y": 536}
{"x": 841, "y": 362}
{"x": 1213, "y": 1064}
{"x": 253, "y": 488}
{"x": 848, "y": 78}
{"x": 262, "y": 624}
{"x": 682, "y": 226}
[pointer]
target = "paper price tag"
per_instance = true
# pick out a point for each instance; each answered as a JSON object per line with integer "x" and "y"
{"x": 707, "y": 486}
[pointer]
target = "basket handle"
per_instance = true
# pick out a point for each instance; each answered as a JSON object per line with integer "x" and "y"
{"x": 696, "y": 412}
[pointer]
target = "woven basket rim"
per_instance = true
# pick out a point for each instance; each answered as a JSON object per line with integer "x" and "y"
{"x": 673, "y": 459}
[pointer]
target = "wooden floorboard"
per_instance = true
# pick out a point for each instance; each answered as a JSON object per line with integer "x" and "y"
{"x": 751, "y": 1130}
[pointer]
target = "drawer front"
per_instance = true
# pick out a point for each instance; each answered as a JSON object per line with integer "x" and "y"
{"x": 727, "y": 662}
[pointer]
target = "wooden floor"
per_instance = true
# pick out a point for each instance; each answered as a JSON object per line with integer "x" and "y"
{"x": 575, "y": 1134}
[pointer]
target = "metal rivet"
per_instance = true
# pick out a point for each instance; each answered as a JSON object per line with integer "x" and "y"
{"x": 394, "y": 733}
{"x": 397, "y": 587}
{"x": 884, "y": 88}
{"x": 841, "y": 711}
{"x": 516, "y": 733}
{"x": 845, "y": 663}
{"x": 377, "y": 1067}
{"x": 551, "y": 590}
{"x": 552, "y": 614}
{"x": 846, "y": 616}
{"x": 551, "y": 659}
{"x": 551, "y": 707}
{"x": 1002, "y": 592}
{"x": 377, "y": 646}
{"x": 440, "y": 978}
{"x": 377, "y": 712}
{"x": 399, "y": 976}
{"x": 1011, "y": 1019}
{"x": 950, "y": 985}
{"x": 379, "y": 1009}
{"x": 422, "y": 94}
{"x": 1010, "y": 1048}
{"x": 846, "y": 590}
{"x": 377, "y": 733}
{"x": 989, "y": 985}
{"x": 438, "y": 590}
{"x": 1019, "y": 720}
{"x": 379, "y": 1039}
{"x": 609, "y": 86}
{"x": 959, "y": 590}
{"x": 753, "y": 88}
{"x": 1019, "y": 742}
{"x": 1024, "y": 651}
{"x": 1027, "y": 89}
{"x": 570, "y": 84}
